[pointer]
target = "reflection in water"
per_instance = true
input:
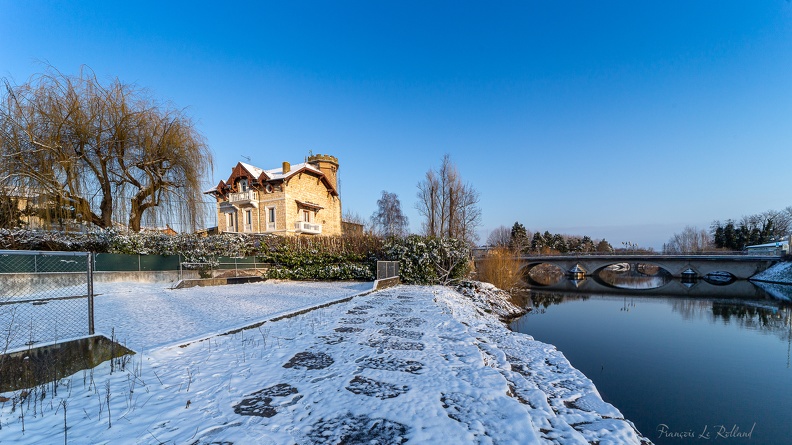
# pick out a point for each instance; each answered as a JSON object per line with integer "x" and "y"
{"x": 684, "y": 362}
{"x": 769, "y": 319}
{"x": 538, "y": 302}
{"x": 638, "y": 276}
{"x": 545, "y": 275}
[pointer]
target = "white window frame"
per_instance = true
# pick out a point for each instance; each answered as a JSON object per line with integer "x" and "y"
{"x": 248, "y": 221}
{"x": 230, "y": 219}
{"x": 271, "y": 218}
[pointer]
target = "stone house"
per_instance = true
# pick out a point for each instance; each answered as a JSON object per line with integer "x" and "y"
{"x": 297, "y": 199}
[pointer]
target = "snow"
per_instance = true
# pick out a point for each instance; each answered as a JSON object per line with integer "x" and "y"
{"x": 413, "y": 364}
{"x": 144, "y": 316}
{"x": 776, "y": 281}
{"x": 778, "y": 273}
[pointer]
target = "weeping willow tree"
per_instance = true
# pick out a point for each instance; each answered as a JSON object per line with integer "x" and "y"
{"x": 102, "y": 154}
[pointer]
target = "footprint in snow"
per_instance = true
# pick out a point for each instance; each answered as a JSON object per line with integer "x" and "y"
{"x": 309, "y": 360}
{"x": 399, "y": 345}
{"x": 358, "y": 430}
{"x": 268, "y": 401}
{"x": 410, "y": 335}
{"x": 390, "y": 364}
{"x": 375, "y": 388}
{"x": 348, "y": 329}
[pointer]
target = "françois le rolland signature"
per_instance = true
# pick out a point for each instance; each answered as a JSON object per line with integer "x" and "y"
{"x": 707, "y": 433}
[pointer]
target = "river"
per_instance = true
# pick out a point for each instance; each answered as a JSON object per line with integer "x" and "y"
{"x": 684, "y": 370}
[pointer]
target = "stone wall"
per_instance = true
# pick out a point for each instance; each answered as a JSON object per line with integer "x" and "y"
{"x": 309, "y": 188}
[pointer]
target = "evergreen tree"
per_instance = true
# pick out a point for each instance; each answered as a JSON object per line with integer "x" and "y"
{"x": 548, "y": 240}
{"x": 519, "y": 238}
{"x": 718, "y": 237}
{"x": 604, "y": 247}
{"x": 587, "y": 245}
{"x": 730, "y": 236}
{"x": 537, "y": 242}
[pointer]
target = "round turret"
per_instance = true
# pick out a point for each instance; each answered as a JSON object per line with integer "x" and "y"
{"x": 328, "y": 165}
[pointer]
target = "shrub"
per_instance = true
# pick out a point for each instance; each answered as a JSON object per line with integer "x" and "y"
{"x": 428, "y": 260}
{"x": 500, "y": 267}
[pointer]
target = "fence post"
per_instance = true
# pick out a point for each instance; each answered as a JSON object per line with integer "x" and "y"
{"x": 90, "y": 294}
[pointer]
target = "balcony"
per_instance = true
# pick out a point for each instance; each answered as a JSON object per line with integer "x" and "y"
{"x": 242, "y": 199}
{"x": 308, "y": 227}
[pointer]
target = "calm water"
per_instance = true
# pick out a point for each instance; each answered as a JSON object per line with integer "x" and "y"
{"x": 684, "y": 370}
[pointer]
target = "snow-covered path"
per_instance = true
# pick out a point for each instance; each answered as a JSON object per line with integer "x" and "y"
{"x": 146, "y": 315}
{"x": 408, "y": 364}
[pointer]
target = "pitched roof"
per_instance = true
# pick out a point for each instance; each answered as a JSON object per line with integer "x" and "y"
{"x": 252, "y": 169}
{"x": 276, "y": 174}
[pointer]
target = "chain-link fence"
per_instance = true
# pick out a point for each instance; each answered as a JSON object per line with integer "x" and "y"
{"x": 44, "y": 297}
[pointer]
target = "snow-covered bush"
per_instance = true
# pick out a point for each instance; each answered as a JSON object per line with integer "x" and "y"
{"x": 344, "y": 271}
{"x": 428, "y": 260}
{"x": 423, "y": 260}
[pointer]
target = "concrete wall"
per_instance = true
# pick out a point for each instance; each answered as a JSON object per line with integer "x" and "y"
{"x": 165, "y": 276}
{"x": 19, "y": 284}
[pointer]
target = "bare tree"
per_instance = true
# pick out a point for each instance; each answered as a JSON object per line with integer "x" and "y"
{"x": 467, "y": 215}
{"x": 428, "y": 203}
{"x": 98, "y": 153}
{"x": 449, "y": 206}
{"x": 389, "y": 220}
{"x": 499, "y": 237}
{"x": 690, "y": 240}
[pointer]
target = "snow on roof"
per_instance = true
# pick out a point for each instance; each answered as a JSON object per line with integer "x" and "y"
{"x": 772, "y": 244}
{"x": 252, "y": 169}
{"x": 277, "y": 173}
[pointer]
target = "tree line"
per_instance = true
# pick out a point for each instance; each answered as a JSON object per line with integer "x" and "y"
{"x": 519, "y": 239}
{"x": 734, "y": 235}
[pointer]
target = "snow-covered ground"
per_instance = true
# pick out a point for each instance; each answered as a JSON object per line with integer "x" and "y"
{"x": 408, "y": 364}
{"x": 146, "y": 315}
{"x": 776, "y": 281}
{"x": 778, "y": 273}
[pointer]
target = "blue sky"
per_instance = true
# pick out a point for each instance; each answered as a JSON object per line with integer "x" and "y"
{"x": 618, "y": 119}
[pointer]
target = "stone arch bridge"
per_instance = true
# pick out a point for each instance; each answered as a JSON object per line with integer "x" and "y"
{"x": 740, "y": 267}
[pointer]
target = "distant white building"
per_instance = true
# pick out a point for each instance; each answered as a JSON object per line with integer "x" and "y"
{"x": 775, "y": 247}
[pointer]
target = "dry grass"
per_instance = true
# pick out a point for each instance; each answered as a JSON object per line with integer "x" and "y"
{"x": 501, "y": 268}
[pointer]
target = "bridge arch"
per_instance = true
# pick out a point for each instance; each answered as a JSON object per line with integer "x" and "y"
{"x": 526, "y": 268}
{"x": 739, "y": 266}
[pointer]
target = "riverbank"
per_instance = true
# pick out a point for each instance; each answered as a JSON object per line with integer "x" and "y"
{"x": 408, "y": 364}
{"x": 776, "y": 281}
{"x": 780, "y": 273}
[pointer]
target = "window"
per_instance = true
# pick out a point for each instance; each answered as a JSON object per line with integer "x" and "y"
{"x": 243, "y": 185}
{"x": 248, "y": 220}
{"x": 270, "y": 218}
{"x": 230, "y": 223}
{"x": 306, "y": 215}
